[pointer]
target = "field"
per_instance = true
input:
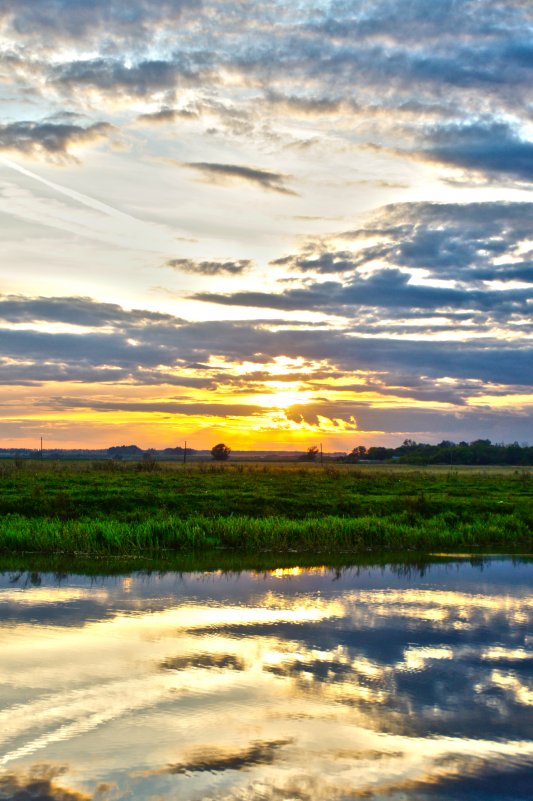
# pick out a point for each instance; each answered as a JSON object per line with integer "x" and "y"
{"x": 106, "y": 508}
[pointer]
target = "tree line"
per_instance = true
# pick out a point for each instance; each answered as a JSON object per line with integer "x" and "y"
{"x": 478, "y": 452}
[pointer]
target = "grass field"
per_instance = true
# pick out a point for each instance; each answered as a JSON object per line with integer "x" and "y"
{"x": 115, "y": 508}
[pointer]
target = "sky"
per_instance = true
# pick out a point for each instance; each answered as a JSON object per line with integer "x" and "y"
{"x": 269, "y": 224}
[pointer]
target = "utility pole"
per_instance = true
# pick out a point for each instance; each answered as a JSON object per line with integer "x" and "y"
{"x": 41, "y": 447}
{"x": 185, "y": 453}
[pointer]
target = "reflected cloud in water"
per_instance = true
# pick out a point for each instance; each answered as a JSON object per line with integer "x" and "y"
{"x": 214, "y": 760}
{"x": 304, "y": 684}
{"x": 39, "y": 784}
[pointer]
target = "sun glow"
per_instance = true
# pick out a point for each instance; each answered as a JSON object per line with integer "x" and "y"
{"x": 283, "y": 396}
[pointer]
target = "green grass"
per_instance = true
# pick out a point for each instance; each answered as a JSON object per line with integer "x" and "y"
{"x": 105, "y": 508}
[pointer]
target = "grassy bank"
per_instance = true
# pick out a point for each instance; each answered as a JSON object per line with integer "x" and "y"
{"x": 107, "y": 508}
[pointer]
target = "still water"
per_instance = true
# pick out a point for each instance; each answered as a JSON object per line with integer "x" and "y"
{"x": 388, "y": 682}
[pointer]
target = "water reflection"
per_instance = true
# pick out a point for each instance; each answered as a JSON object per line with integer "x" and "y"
{"x": 288, "y": 684}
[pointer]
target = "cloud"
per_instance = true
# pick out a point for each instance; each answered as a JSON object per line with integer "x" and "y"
{"x": 231, "y": 267}
{"x": 216, "y": 173}
{"x": 180, "y": 406}
{"x": 470, "y": 242}
{"x": 112, "y": 77}
{"x": 145, "y": 345}
{"x": 309, "y": 62}
{"x": 386, "y": 288}
{"x": 167, "y": 115}
{"x": 324, "y": 262}
{"x": 48, "y": 138}
{"x": 72, "y": 20}
{"x": 490, "y": 147}
{"x": 80, "y": 311}
{"x": 305, "y": 105}
{"x": 360, "y": 73}
{"x": 432, "y": 259}
{"x": 369, "y": 367}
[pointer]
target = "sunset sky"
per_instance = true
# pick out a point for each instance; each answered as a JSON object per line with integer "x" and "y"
{"x": 272, "y": 224}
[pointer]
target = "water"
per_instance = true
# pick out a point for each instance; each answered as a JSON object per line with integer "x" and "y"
{"x": 387, "y": 682}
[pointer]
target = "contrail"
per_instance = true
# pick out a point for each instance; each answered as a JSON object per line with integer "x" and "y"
{"x": 71, "y": 193}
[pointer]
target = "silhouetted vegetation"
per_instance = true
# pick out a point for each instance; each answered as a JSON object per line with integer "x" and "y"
{"x": 121, "y": 451}
{"x": 116, "y": 452}
{"x": 310, "y": 455}
{"x": 478, "y": 452}
{"x": 220, "y": 452}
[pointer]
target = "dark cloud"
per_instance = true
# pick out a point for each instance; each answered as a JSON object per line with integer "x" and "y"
{"x": 235, "y": 267}
{"x": 272, "y": 181}
{"x": 492, "y": 148}
{"x": 472, "y": 242}
{"x": 79, "y": 311}
{"x": 77, "y": 19}
{"x": 454, "y": 423}
{"x": 386, "y": 288}
{"x": 113, "y": 77}
{"x": 313, "y": 63}
{"x": 162, "y": 407}
{"x": 49, "y": 138}
{"x": 324, "y": 262}
{"x": 416, "y": 21}
{"x": 465, "y": 245}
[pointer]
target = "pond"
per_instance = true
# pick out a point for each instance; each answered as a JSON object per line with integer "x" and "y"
{"x": 393, "y": 681}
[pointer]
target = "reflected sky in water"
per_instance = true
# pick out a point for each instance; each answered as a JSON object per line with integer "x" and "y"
{"x": 316, "y": 684}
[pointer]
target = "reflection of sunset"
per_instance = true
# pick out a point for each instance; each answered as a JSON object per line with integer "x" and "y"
{"x": 283, "y": 572}
{"x": 287, "y": 572}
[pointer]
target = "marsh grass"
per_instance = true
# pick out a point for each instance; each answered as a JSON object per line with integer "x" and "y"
{"x": 113, "y": 508}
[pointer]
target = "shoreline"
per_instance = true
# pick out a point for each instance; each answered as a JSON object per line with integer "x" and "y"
{"x": 283, "y": 565}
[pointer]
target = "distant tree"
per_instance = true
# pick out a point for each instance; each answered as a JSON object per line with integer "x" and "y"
{"x": 358, "y": 453}
{"x": 220, "y": 452}
{"x": 380, "y": 454}
{"x": 120, "y": 452}
{"x": 311, "y": 454}
{"x": 178, "y": 451}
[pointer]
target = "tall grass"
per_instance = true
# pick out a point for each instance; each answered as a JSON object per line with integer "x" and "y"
{"x": 330, "y": 533}
{"x": 110, "y": 508}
